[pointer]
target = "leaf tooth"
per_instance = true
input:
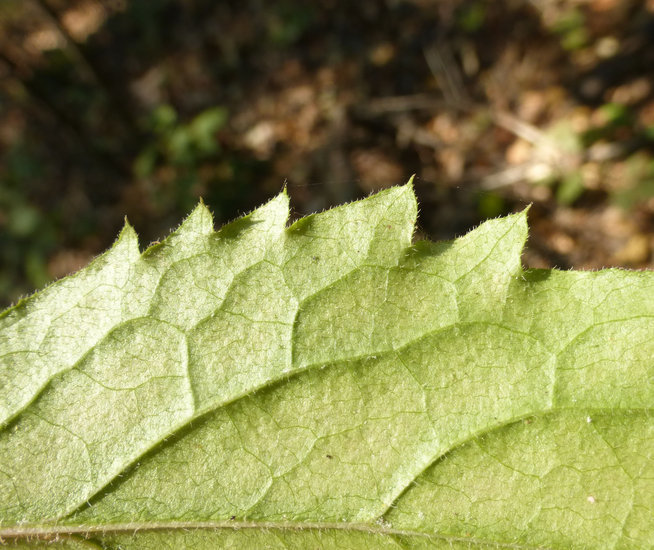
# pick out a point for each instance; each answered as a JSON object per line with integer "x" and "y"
{"x": 199, "y": 221}
{"x": 127, "y": 243}
{"x": 274, "y": 214}
{"x": 28, "y": 329}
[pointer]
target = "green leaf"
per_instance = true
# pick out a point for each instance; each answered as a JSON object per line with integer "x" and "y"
{"x": 329, "y": 385}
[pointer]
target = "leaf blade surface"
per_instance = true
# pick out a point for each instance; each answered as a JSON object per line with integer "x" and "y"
{"x": 330, "y": 380}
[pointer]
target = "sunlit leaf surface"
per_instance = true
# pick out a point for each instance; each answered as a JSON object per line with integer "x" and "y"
{"x": 329, "y": 385}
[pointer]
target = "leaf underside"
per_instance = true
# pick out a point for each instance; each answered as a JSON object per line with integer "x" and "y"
{"x": 329, "y": 385}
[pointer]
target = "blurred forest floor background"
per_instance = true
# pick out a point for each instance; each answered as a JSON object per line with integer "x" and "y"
{"x": 140, "y": 107}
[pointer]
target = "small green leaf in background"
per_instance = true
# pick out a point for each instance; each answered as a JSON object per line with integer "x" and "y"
{"x": 329, "y": 385}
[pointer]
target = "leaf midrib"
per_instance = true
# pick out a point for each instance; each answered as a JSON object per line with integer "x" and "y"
{"x": 46, "y": 532}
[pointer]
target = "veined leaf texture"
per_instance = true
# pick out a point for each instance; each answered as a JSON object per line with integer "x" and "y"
{"x": 329, "y": 385}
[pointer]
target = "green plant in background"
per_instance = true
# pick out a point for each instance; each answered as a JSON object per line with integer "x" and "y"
{"x": 613, "y": 118}
{"x": 26, "y": 236}
{"x": 617, "y": 125}
{"x": 637, "y": 185}
{"x": 471, "y": 16}
{"x": 572, "y": 29}
{"x": 568, "y": 179}
{"x": 182, "y": 146}
{"x": 332, "y": 385}
{"x": 490, "y": 205}
{"x": 287, "y": 21}
{"x": 614, "y": 125}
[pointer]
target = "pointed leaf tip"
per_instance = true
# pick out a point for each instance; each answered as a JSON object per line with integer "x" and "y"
{"x": 128, "y": 236}
{"x": 199, "y": 221}
{"x": 280, "y": 203}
